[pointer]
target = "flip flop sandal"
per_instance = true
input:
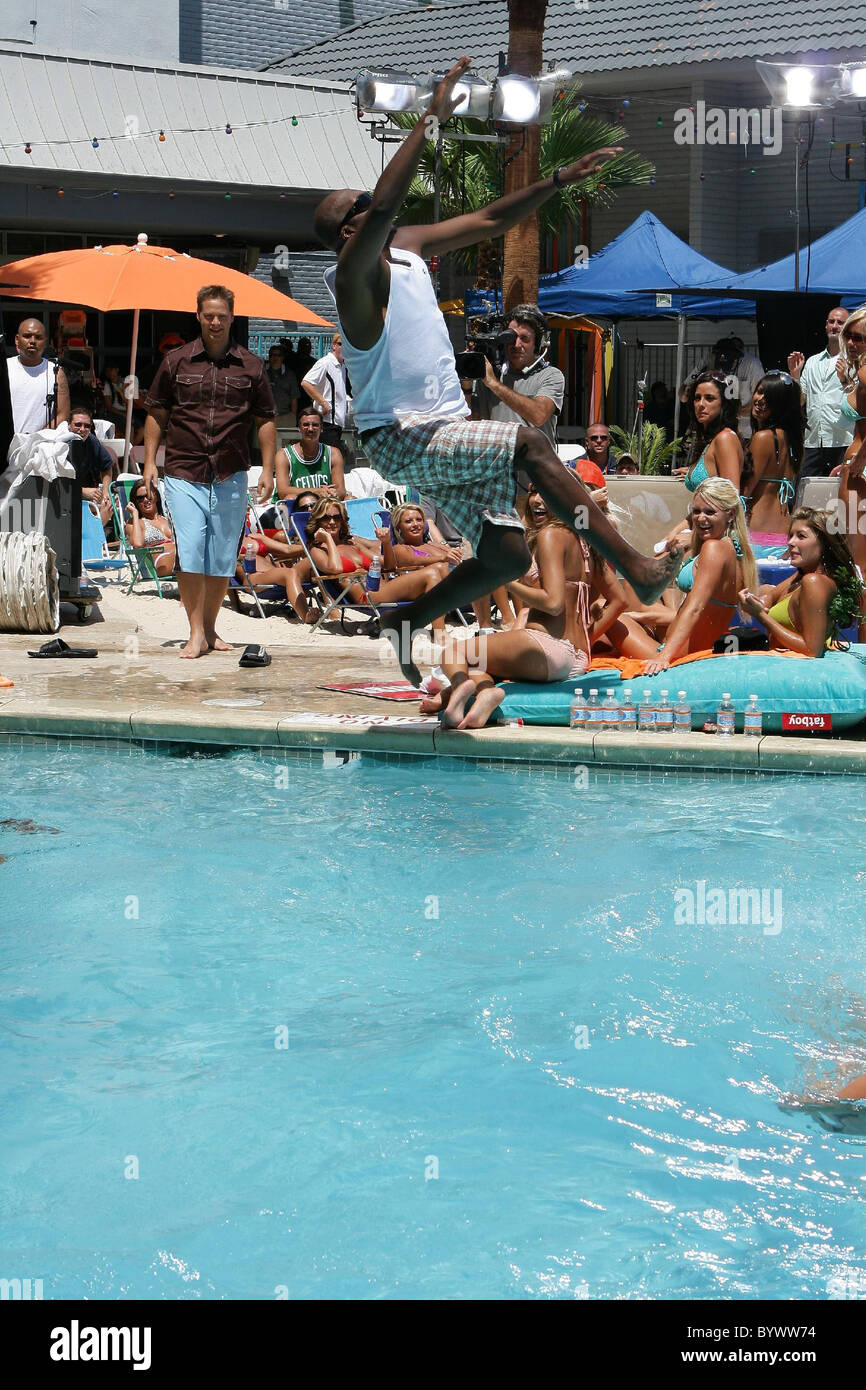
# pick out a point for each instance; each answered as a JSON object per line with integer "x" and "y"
{"x": 58, "y": 647}
{"x": 255, "y": 656}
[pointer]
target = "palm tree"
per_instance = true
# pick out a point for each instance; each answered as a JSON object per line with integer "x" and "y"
{"x": 656, "y": 449}
{"x": 525, "y": 56}
{"x": 472, "y": 176}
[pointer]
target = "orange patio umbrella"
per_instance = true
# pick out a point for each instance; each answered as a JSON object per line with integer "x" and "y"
{"x": 142, "y": 277}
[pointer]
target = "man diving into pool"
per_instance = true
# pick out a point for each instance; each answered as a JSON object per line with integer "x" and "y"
{"x": 409, "y": 407}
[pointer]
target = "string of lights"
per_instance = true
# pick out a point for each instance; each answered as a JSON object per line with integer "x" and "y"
{"x": 162, "y": 133}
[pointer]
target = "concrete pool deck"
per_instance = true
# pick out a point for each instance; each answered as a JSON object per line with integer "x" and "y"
{"x": 139, "y": 689}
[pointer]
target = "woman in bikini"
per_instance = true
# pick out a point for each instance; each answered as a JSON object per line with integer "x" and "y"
{"x": 716, "y": 450}
{"x": 719, "y": 564}
{"x": 551, "y": 640}
{"x": 416, "y": 542}
{"x": 337, "y": 553}
{"x": 773, "y": 458}
{"x": 804, "y": 613}
{"x": 146, "y": 527}
{"x": 281, "y": 563}
{"x": 851, "y": 367}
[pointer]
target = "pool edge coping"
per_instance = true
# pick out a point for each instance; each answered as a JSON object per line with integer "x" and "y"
{"x": 529, "y": 743}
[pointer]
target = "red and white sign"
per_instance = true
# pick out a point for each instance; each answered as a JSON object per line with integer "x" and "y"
{"x": 807, "y": 723}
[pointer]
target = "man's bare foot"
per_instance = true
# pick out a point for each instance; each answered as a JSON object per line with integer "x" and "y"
{"x": 432, "y": 704}
{"x": 461, "y": 692}
{"x": 400, "y": 637}
{"x": 216, "y": 644}
{"x": 195, "y": 647}
{"x": 649, "y": 578}
{"x": 486, "y": 701}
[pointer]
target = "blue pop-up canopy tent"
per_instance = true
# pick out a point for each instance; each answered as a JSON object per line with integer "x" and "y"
{"x": 646, "y": 257}
{"x": 834, "y": 264}
{"x": 646, "y": 272}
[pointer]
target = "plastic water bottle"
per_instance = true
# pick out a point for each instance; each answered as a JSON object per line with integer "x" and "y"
{"x": 610, "y": 712}
{"x": 752, "y": 720}
{"x": 594, "y": 713}
{"x": 251, "y": 550}
{"x": 664, "y": 715}
{"x": 725, "y": 716}
{"x": 577, "y": 711}
{"x": 646, "y": 714}
{"x": 627, "y": 714}
{"x": 374, "y": 575}
{"x": 682, "y": 714}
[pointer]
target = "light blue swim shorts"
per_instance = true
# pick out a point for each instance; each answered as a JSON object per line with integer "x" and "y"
{"x": 208, "y": 519}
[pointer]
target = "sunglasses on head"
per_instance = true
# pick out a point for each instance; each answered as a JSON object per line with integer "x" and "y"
{"x": 361, "y": 203}
{"x": 778, "y": 375}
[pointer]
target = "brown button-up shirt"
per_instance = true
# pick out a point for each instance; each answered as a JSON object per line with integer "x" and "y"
{"x": 211, "y": 404}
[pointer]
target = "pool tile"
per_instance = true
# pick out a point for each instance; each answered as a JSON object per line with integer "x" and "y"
{"x": 55, "y": 717}
{"x": 327, "y": 732}
{"x": 212, "y": 724}
{"x": 676, "y": 750}
{"x": 536, "y": 742}
{"x": 779, "y": 754}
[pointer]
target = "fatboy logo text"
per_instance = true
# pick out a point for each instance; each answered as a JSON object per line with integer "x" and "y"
{"x": 75, "y": 1343}
{"x": 738, "y": 125}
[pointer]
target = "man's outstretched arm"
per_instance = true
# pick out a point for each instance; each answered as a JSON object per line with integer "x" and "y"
{"x": 358, "y": 268}
{"x": 500, "y": 216}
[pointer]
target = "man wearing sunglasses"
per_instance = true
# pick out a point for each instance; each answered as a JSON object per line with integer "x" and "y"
{"x": 827, "y": 436}
{"x": 409, "y": 407}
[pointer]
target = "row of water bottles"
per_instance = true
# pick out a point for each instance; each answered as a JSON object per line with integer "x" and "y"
{"x": 653, "y": 715}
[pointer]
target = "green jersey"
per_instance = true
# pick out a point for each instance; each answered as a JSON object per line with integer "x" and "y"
{"x": 309, "y": 472}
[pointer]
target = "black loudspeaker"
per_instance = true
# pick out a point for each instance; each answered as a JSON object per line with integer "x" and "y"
{"x": 791, "y": 323}
{"x": 58, "y": 505}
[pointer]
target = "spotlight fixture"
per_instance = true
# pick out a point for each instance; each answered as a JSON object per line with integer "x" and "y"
{"x": 802, "y": 86}
{"x": 388, "y": 90}
{"x": 527, "y": 100}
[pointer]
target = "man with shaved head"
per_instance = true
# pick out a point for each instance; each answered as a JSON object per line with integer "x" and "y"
{"x": 38, "y": 387}
{"x": 409, "y": 406}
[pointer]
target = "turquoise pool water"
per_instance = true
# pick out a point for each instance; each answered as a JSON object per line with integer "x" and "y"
{"x": 400, "y": 1029}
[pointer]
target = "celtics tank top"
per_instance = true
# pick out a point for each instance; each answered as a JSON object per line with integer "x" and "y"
{"x": 309, "y": 472}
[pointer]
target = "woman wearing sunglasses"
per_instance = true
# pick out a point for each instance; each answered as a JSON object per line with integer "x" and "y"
{"x": 146, "y": 526}
{"x": 773, "y": 458}
{"x": 851, "y": 367}
{"x": 336, "y": 552}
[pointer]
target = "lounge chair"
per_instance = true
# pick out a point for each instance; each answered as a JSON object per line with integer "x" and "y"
{"x": 139, "y": 558}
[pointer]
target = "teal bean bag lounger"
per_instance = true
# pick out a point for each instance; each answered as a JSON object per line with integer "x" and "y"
{"x": 788, "y": 690}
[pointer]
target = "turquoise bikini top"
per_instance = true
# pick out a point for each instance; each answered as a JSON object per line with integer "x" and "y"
{"x": 848, "y": 413}
{"x": 697, "y": 475}
{"x": 686, "y": 578}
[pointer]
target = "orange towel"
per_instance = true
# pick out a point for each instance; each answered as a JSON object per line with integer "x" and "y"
{"x": 630, "y": 667}
{"x": 4, "y": 683}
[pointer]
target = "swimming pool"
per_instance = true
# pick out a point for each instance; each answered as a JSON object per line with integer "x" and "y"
{"x": 405, "y": 1029}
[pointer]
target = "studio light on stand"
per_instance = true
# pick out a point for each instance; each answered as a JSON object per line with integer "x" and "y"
{"x": 806, "y": 88}
{"x": 528, "y": 100}
{"x": 387, "y": 90}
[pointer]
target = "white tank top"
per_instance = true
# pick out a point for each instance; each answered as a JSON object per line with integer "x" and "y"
{"x": 410, "y": 370}
{"x": 29, "y": 387}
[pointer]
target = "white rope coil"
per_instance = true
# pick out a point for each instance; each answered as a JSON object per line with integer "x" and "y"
{"x": 29, "y": 588}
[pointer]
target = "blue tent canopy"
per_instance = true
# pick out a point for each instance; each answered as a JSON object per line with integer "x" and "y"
{"x": 645, "y": 254}
{"x": 834, "y": 264}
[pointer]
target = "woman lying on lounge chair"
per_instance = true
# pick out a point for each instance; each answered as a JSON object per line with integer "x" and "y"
{"x": 337, "y": 553}
{"x": 281, "y": 563}
{"x": 146, "y": 526}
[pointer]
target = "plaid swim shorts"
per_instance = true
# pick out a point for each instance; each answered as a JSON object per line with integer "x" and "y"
{"x": 467, "y": 466}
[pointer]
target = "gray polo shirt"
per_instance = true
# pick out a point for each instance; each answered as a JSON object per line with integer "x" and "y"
{"x": 541, "y": 379}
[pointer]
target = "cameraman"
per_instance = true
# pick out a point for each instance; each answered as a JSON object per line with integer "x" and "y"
{"x": 730, "y": 357}
{"x": 528, "y": 390}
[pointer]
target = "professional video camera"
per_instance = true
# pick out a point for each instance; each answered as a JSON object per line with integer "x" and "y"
{"x": 488, "y": 338}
